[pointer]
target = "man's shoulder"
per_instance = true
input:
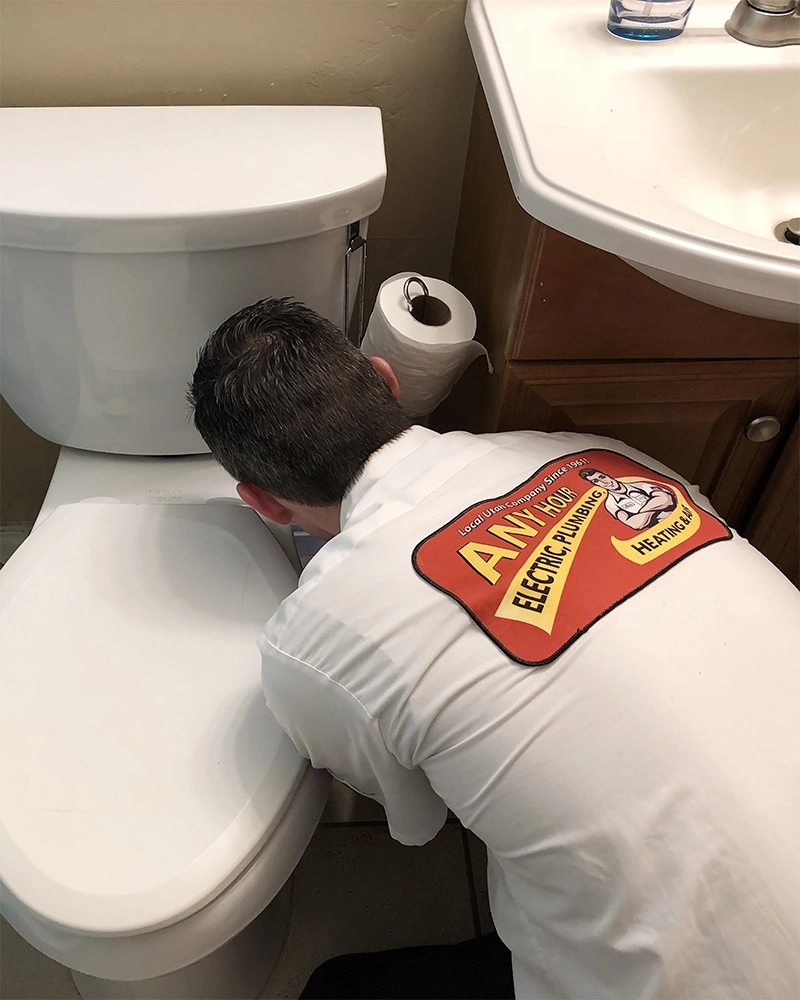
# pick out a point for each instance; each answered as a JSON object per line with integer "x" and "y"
{"x": 341, "y": 578}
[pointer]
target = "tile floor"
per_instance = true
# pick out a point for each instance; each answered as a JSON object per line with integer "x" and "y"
{"x": 355, "y": 889}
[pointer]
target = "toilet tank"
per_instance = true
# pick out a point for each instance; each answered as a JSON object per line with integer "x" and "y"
{"x": 129, "y": 234}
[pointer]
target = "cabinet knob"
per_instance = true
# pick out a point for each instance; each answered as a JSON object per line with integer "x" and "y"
{"x": 762, "y": 429}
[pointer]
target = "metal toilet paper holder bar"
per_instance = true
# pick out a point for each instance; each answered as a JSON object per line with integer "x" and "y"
{"x": 426, "y": 308}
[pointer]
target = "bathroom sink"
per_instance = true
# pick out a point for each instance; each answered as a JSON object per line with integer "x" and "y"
{"x": 681, "y": 156}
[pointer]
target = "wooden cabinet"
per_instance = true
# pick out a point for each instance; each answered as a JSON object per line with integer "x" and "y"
{"x": 690, "y": 415}
{"x": 774, "y": 527}
{"x": 581, "y": 341}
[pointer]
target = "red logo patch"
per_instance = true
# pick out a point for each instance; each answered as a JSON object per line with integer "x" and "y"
{"x": 540, "y": 565}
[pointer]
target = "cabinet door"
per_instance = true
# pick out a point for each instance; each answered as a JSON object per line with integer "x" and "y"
{"x": 583, "y": 303}
{"x": 774, "y": 528}
{"x": 692, "y": 416}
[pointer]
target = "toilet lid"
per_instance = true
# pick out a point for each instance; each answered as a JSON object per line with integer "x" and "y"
{"x": 140, "y": 768}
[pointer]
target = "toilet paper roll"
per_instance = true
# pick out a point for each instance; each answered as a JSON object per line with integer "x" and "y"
{"x": 427, "y": 359}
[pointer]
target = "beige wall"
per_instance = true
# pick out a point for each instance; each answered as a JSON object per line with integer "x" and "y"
{"x": 408, "y": 57}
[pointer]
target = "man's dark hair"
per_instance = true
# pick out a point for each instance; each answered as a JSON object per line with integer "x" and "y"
{"x": 286, "y": 402}
{"x": 585, "y": 473}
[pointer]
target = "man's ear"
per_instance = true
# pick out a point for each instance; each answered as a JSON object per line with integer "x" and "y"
{"x": 384, "y": 369}
{"x": 265, "y": 503}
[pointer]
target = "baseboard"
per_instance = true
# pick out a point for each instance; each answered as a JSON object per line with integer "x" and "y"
{"x": 12, "y": 535}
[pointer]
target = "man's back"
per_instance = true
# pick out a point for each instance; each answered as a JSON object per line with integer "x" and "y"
{"x": 637, "y": 792}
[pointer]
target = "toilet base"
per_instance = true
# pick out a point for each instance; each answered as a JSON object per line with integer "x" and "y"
{"x": 238, "y": 970}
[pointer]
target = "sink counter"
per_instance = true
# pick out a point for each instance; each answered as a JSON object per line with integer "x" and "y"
{"x": 680, "y": 156}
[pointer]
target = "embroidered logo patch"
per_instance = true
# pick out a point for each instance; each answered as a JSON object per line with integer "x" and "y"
{"x": 538, "y": 566}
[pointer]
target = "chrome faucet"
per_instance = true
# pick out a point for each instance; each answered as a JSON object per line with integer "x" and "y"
{"x": 765, "y": 22}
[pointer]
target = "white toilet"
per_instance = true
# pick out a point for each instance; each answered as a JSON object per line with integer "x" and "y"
{"x": 151, "y": 811}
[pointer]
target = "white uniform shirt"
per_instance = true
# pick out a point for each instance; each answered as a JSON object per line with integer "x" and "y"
{"x": 638, "y": 796}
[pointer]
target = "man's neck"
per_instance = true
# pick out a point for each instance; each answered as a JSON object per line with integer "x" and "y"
{"x": 321, "y": 522}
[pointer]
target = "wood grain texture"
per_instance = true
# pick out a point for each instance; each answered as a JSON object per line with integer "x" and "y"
{"x": 585, "y": 303}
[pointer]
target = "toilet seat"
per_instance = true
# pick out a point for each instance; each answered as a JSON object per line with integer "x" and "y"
{"x": 112, "y": 614}
{"x": 157, "y": 953}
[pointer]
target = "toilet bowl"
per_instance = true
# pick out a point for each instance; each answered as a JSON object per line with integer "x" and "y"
{"x": 153, "y": 810}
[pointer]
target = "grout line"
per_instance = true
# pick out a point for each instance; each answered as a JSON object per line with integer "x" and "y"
{"x": 369, "y": 822}
{"x": 473, "y": 895}
{"x": 354, "y": 822}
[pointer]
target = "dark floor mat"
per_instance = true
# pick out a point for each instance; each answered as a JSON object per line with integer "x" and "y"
{"x": 475, "y": 970}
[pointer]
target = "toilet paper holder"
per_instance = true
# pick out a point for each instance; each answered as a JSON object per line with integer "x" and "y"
{"x": 425, "y": 308}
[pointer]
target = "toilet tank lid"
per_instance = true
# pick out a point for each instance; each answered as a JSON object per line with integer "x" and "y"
{"x": 141, "y": 770}
{"x": 144, "y": 179}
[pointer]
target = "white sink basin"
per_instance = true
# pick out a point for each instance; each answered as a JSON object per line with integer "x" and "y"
{"x": 680, "y": 156}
